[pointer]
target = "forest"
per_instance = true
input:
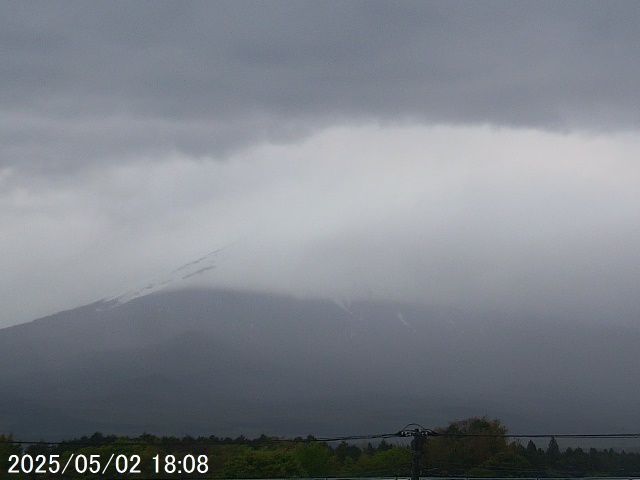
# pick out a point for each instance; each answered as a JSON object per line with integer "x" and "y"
{"x": 475, "y": 447}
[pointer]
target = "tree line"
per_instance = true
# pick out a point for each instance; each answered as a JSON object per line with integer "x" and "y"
{"x": 475, "y": 447}
{"x": 491, "y": 454}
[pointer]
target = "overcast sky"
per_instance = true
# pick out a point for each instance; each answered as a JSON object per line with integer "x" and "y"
{"x": 480, "y": 155}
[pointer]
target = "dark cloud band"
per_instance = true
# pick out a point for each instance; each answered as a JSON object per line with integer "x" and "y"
{"x": 92, "y": 82}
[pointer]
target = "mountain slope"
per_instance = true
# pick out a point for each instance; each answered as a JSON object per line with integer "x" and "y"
{"x": 205, "y": 362}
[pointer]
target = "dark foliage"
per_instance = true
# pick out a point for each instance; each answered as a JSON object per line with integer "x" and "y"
{"x": 472, "y": 447}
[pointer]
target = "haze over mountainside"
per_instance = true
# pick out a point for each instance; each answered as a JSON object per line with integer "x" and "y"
{"x": 221, "y": 362}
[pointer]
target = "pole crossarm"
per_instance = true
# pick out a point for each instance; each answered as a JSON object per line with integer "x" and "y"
{"x": 419, "y": 433}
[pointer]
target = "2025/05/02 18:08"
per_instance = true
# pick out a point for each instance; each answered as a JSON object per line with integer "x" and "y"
{"x": 122, "y": 464}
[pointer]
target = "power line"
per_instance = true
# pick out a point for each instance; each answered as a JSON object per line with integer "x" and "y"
{"x": 541, "y": 435}
{"x": 404, "y": 432}
{"x": 163, "y": 441}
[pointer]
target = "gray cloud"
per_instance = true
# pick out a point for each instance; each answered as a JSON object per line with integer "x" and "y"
{"x": 113, "y": 116}
{"x": 86, "y": 83}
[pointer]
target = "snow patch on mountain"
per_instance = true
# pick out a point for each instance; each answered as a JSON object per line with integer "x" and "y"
{"x": 188, "y": 270}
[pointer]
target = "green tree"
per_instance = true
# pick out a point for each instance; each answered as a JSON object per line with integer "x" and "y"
{"x": 384, "y": 445}
{"x": 394, "y": 461}
{"x": 535, "y": 457}
{"x": 8, "y": 448}
{"x": 344, "y": 451}
{"x": 464, "y": 445}
{"x": 315, "y": 458}
{"x": 576, "y": 462}
{"x": 264, "y": 463}
{"x": 553, "y": 454}
{"x": 503, "y": 464}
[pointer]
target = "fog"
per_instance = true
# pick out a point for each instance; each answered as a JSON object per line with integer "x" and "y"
{"x": 478, "y": 156}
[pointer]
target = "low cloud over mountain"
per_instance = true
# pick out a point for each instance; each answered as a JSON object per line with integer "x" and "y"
{"x": 215, "y": 362}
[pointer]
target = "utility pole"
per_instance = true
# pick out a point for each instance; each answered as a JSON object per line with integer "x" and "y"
{"x": 419, "y": 434}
